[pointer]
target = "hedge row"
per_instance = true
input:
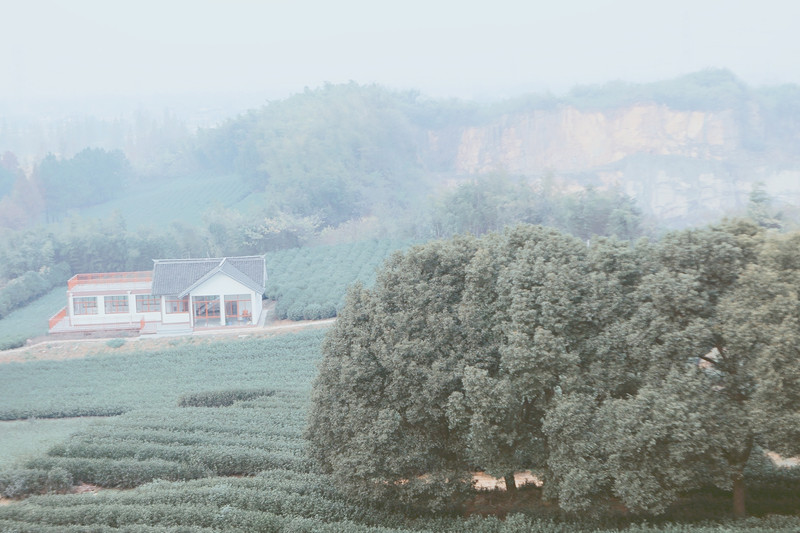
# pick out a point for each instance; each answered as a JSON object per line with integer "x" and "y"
{"x": 311, "y": 283}
{"x": 22, "y": 481}
{"x": 31, "y": 285}
{"x": 221, "y": 398}
{"x": 60, "y": 412}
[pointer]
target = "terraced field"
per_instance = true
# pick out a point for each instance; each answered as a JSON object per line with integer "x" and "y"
{"x": 237, "y": 464}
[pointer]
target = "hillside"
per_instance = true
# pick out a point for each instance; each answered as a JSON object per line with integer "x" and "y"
{"x": 687, "y": 150}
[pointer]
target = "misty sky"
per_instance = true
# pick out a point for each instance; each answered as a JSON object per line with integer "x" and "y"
{"x": 461, "y": 48}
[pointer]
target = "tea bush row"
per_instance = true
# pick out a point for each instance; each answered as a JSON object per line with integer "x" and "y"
{"x": 22, "y": 481}
{"x": 221, "y": 398}
{"x": 60, "y": 412}
{"x": 310, "y": 283}
{"x": 31, "y": 285}
{"x": 110, "y": 384}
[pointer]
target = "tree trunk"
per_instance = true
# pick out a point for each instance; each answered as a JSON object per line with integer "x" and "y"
{"x": 511, "y": 483}
{"x": 739, "y": 492}
{"x": 739, "y": 508}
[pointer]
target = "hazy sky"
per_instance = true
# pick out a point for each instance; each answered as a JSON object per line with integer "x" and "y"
{"x": 459, "y": 48}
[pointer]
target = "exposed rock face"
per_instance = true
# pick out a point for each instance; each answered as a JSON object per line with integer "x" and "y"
{"x": 682, "y": 166}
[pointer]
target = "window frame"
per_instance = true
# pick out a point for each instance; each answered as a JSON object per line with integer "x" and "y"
{"x": 88, "y": 305}
{"x": 147, "y": 303}
{"x": 116, "y": 304}
{"x": 176, "y": 306}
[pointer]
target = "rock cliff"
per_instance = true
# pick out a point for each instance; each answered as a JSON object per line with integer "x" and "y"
{"x": 683, "y": 166}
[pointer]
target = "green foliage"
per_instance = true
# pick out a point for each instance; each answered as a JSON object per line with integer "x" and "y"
{"x": 31, "y": 285}
{"x": 643, "y": 372}
{"x": 21, "y": 482}
{"x": 24, "y": 439}
{"x": 221, "y": 398}
{"x": 261, "y": 437}
{"x": 255, "y": 429}
{"x": 494, "y": 202}
{"x": 310, "y": 283}
{"x": 338, "y": 152}
{"x": 135, "y": 380}
{"x": 710, "y": 89}
{"x": 152, "y": 204}
{"x": 115, "y": 343}
{"x": 31, "y": 320}
{"x": 91, "y": 177}
{"x": 391, "y": 362}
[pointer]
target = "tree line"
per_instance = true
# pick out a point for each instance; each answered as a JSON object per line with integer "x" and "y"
{"x": 608, "y": 369}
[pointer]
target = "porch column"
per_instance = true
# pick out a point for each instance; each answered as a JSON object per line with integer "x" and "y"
{"x": 70, "y": 307}
{"x": 221, "y": 309}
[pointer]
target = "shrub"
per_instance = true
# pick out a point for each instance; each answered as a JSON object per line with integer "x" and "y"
{"x": 25, "y": 481}
{"x": 296, "y": 312}
{"x": 221, "y": 398}
{"x": 312, "y": 312}
{"x": 115, "y": 343}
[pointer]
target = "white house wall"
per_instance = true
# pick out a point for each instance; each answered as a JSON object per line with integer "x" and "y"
{"x": 220, "y": 284}
{"x": 103, "y": 318}
{"x": 172, "y": 318}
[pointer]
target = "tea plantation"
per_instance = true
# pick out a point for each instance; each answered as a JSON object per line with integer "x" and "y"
{"x": 310, "y": 283}
{"x": 210, "y": 438}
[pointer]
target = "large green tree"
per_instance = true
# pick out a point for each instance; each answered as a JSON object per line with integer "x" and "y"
{"x": 611, "y": 370}
{"x": 391, "y": 361}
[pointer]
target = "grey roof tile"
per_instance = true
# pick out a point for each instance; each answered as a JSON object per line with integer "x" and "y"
{"x": 179, "y": 276}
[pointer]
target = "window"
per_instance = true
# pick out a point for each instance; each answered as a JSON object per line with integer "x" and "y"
{"x": 147, "y": 303}
{"x": 238, "y": 308}
{"x": 177, "y": 305}
{"x": 206, "y": 306}
{"x": 84, "y": 305}
{"x": 116, "y": 304}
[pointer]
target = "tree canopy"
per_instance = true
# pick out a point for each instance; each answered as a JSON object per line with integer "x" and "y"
{"x": 610, "y": 370}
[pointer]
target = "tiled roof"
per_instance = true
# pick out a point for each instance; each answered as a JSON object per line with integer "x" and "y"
{"x": 179, "y": 276}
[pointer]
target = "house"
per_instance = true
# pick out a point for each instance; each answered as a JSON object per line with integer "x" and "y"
{"x": 179, "y": 294}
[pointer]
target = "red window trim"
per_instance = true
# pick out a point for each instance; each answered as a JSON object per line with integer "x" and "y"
{"x": 182, "y": 305}
{"x": 116, "y": 304}
{"x": 147, "y": 303}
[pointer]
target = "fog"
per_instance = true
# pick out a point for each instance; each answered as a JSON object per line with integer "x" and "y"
{"x": 148, "y": 50}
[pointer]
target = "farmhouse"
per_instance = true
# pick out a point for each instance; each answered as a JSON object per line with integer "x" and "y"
{"x": 177, "y": 295}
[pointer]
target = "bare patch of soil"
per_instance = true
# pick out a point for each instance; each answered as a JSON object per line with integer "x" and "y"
{"x": 786, "y": 462}
{"x": 484, "y": 481}
{"x": 84, "y": 488}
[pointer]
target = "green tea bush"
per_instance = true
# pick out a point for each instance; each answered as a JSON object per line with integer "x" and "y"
{"x": 30, "y": 285}
{"x": 120, "y": 473}
{"x": 24, "y": 481}
{"x": 115, "y": 343}
{"x": 60, "y": 412}
{"x": 310, "y": 283}
{"x": 221, "y": 398}
{"x": 171, "y": 455}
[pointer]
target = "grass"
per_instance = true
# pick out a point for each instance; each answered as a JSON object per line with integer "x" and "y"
{"x": 31, "y": 320}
